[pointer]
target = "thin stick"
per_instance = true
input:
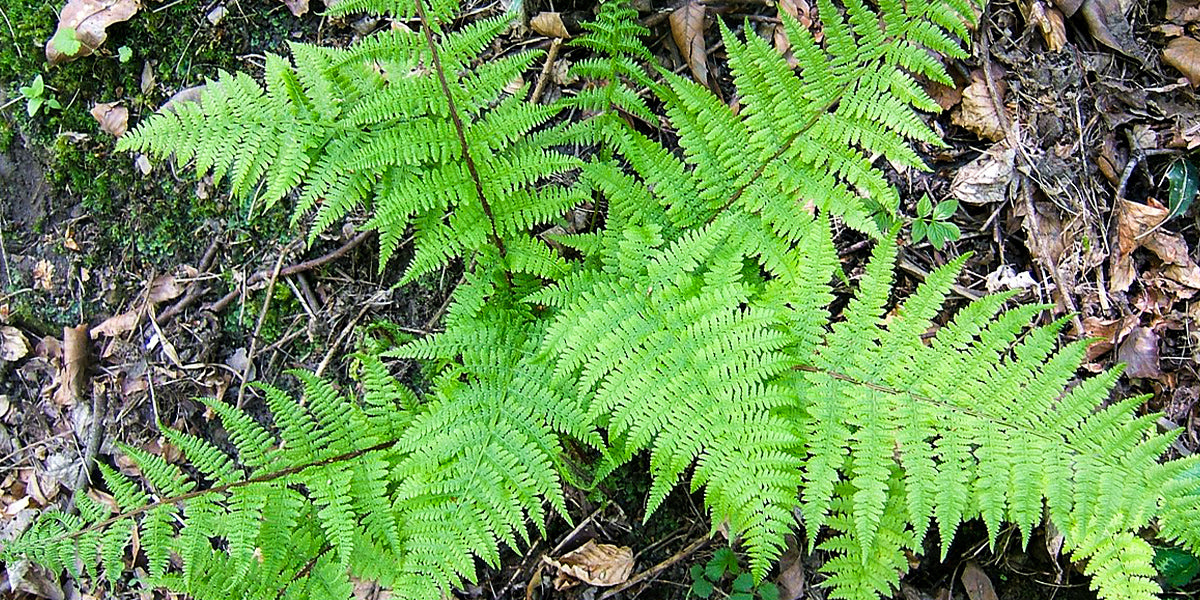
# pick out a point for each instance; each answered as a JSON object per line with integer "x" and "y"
{"x": 262, "y": 317}
{"x": 544, "y": 76}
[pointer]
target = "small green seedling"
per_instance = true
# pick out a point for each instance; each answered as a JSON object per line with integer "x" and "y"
{"x": 724, "y": 562}
{"x": 933, "y": 222}
{"x": 35, "y": 97}
{"x": 66, "y": 41}
{"x": 124, "y": 53}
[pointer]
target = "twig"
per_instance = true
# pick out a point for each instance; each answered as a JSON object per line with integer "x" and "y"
{"x": 544, "y": 76}
{"x": 307, "y": 265}
{"x": 13, "y": 33}
{"x": 262, "y": 317}
{"x": 656, "y": 569}
{"x": 912, "y": 268}
{"x": 337, "y": 343}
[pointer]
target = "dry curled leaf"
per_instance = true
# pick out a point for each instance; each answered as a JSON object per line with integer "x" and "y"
{"x": 1139, "y": 352}
{"x": 1051, "y": 23}
{"x": 687, "y": 28}
{"x": 1183, "y": 11}
{"x": 1138, "y": 227}
{"x": 1183, "y": 53}
{"x": 76, "y": 354}
{"x": 163, "y": 288}
{"x": 977, "y": 112}
{"x": 987, "y": 179}
{"x": 977, "y": 584}
{"x": 549, "y": 24}
{"x": 1108, "y": 25}
{"x": 13, "y": 345}
{"x": 113, "y": 118}
{"x": 298, "y": 7}
{"x": 595, "y": 564}
{"x": 118, "y": 324}
{"x": 90, "y": 20}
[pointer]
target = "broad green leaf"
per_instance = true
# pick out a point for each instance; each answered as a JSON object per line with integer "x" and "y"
{"x": 1184, "y": 179}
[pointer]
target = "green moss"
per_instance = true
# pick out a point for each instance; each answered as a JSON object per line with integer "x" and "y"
{"x": 155, "y": 216}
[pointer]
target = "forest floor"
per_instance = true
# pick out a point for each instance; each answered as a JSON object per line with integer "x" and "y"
{"x": 131, "y": 288}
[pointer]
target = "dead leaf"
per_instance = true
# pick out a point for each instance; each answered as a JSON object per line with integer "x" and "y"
{"x": 43, "y": 275}
{"x": 118, "y": 324}
{"x": 188, "y": 94}
{"x": 1183, "y": 53}
{"x": 1139, "y": 352}
{"x": 1136, "y": 228}
{"x": 988, "y": 178}
{"x": 13, "y": 345}
{"x": 298, "y": 7}
{"x": 1051, "y": 23}
{"x": 1007, "y": 278}
{"x": 687, "y": 28}
{"x": 113, "y": 118}
{"x": 76, "y": 354}
{"x": 215, "y": 15}
{"x": 549, "y": 24}
{"x": 977, "y": 584}
{"x": 143, "y": 164}
{"x": 1108, "y": 25}
{"x": 148, "y": 78}
{"x": 164, "y": 287}
{"x": 595, "y": 564}
{"x": 1106, "y": 333}
{"x": 791, "y": 579}
{"x": 977, "y": 113}
{"x": 89, "y": 19}
{"x": 1183, "y": 11}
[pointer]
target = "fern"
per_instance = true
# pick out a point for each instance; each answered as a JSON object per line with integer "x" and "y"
{"x": 695, "y": 325}
{"x": 445, "y": 152}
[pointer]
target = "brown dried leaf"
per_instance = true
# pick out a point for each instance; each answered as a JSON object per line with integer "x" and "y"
{"x": 90, "y": 19}
{"x": 188, "y": 94}
{"x": 43, "y": 275}
{"x": 687, "y": 28}
{"x": 549, "y": 24}
{"x": 986, "y": 179}
{"x": 1108, "y": 25}
{"x": 1183, "y": 53}
{"x": 791, "y": 581}
{"x": 1052, "y": 25}
{"x": 1139, "y": 352}
{"x": 977, "y": 112}
{"x": 1136, "y": 225}
{"x": 1068, "y": 7}
{"x": 594, "y": 564}
{"x": 13, "y": 345}
{"x": 118, "y": 324}
{"x": 76, "y": 354}
{"x": 113, "y": 118}
{"x": 298, "y": 7}
{"x": 1183, "y": 11}
{"x": 164, "y": 287}
{"x": 977, "y": 584}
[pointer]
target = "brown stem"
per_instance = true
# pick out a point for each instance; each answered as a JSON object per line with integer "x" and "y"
{"x": 461, "y": 131}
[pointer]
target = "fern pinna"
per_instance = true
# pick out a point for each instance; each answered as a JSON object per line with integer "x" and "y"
{"x": 695, "y": 326}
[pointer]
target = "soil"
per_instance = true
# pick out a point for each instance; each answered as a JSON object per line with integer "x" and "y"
{"x": 87, "y": 236}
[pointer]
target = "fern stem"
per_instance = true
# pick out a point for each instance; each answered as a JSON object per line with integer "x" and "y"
{"x": 461, "y": 131}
